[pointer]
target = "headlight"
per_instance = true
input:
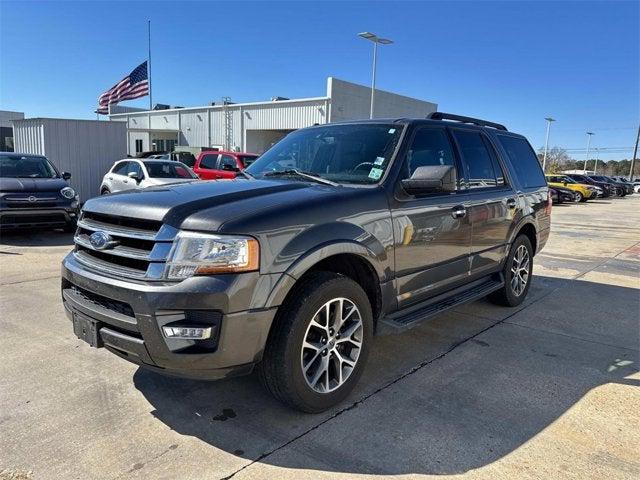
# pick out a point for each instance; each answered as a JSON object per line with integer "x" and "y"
{"x": 68, "y": 192}
{"x": 205, "y": 254}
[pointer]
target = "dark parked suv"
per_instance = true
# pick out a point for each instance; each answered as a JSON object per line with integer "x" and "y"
{"x": 337, "y": 232}
{"x": 33, "y": 194}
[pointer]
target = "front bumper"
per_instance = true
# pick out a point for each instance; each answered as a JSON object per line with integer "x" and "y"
{"x": 37, "y": 217}
{"x": 129, "y": 317}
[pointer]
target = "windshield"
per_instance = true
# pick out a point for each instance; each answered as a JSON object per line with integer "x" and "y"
{"x": 22, "y": 166}
{"x": 168, "y": 170}
{"x": 568, "y": 180}
{"x": 345, "y": 153}
{"x": 599, "y": 178}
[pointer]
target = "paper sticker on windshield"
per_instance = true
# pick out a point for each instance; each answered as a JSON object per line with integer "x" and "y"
{"x": 379, "y": 161}
{"x": 375, "y": 173}
{"x": 392, "y": 130}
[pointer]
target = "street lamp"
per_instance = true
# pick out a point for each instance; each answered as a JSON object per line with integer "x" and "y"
{"x": 589, "y": 134}
{"x": 376, "y": 40}
{"x": 546, "y": 143}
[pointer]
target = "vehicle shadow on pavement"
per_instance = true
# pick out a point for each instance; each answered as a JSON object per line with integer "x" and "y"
{"x": 452, "y": 395}
{"x": 36, "y": 238}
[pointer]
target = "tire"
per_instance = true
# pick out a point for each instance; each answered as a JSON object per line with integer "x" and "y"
{"x": 105, "y": 191}
{"x": 578, "y": 196}
{"x": 281, "y": 370}
{"x": 508, "y": 296}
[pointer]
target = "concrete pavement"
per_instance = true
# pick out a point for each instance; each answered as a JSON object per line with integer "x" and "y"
{"x": 550, "y": 389}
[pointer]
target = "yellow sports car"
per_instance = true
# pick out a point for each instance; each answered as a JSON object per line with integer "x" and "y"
{"x": 581, "y": 191}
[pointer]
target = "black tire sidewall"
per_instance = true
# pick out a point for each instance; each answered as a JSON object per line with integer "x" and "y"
{"x": 335, "y": 288}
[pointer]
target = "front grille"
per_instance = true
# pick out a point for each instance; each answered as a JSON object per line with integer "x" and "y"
{"x": 104, "y": 302}
{"x": 32, "y": 220}
{"x": 139, "y": 248}
{"x": 27, "y": 204}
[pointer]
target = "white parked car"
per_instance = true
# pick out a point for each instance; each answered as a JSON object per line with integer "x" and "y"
{"x": 132, "y": 173}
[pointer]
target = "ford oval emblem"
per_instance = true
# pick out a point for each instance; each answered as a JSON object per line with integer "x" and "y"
{"x": 32, "y": 198}
{"x": 101, "y": 240}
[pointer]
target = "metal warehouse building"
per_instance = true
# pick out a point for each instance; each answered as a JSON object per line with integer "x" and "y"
{"x": 254, "y": 127}
{"x": 84, "y": 148}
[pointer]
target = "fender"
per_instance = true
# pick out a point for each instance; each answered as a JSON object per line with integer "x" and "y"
{"x": 312, "y": 257}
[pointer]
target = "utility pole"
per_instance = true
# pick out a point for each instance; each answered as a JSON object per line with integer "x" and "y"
{"x": 595, "y": 167}
{"x": 635, "y": 156}
{"x": 546, "y": 144}
{"x": 589, "y": 134}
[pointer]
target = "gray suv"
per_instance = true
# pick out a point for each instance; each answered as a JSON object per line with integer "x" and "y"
{"x": 337, "y": 233}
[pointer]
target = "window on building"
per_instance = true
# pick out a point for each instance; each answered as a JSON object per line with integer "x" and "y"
{"x": 170, "y": 145}
{"x": 138, "y": 146}
{"x": 479, "y": 160}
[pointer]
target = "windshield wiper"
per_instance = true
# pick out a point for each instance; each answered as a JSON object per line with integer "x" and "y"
{"x": 299, "y": 173}
{"x": 246, "y": 174}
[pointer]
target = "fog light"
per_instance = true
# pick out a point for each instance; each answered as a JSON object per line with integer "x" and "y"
{"x": 187, "y": 333}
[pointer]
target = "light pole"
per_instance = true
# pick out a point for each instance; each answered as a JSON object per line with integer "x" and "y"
{"x": 595, "y": 167}
{"x": 376, "y": 40}
{"x": 589, "y": 134}
{"x": 546, "y": 143}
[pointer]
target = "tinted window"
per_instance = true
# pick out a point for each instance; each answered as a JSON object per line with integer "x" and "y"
{"x": 478, "y": 160}
{"x": 185, "y": 157}
{"x": 167, "y": 170}
{"x": 524, "y": 161}
{"x": 229, "y": 162}
{"x": 248, "y": 159}
{"x": 429, "y": 147}
{"x": 22, "y": 166}
{"x": 209, "y": 161}
{"x": 121, "y": 168}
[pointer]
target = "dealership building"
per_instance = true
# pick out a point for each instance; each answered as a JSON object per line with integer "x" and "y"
{"x": 254, "y": 127}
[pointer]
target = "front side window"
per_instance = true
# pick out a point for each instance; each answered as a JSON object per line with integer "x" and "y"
{"x": 134, "y": 167}
{"x": 227, "y": 162}
{"x": 429, "y": 147}
{"x": 168, "y": 170}
{"x": 349, "y": 153}
{"x": 25, "y": 166}
{"x": 247, "y": 159}
{"x": 209, "y": 162}
{"x": 477, "y": 159}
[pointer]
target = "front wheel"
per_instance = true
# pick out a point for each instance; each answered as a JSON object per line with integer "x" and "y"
{"x": 319, "y": 343}
{"x": 517, "y": 274}
{"x": 578, "y": 196}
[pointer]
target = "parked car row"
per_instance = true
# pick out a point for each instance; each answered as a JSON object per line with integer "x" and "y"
{"x": 581, "y": 188}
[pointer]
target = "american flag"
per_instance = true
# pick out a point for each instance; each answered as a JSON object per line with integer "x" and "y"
{"x": 134, "y": 85}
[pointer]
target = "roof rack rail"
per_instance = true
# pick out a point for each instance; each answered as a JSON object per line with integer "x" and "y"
{"x": 462, "y": 119}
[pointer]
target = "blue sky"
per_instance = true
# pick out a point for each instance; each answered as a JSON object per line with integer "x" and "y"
{"x": 513, "y": 62}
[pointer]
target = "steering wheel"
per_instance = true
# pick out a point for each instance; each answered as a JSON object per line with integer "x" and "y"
{"x": 363, "y": 164}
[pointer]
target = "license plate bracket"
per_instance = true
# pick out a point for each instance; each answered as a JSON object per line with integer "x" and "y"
{"x": 87, "y": 329}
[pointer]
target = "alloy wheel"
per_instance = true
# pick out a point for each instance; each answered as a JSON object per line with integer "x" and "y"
{"x": 332, "y": 345}
{"x": 520, "y": 270}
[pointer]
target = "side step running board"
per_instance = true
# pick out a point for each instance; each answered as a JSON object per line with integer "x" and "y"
{"x": 414, "y": 315}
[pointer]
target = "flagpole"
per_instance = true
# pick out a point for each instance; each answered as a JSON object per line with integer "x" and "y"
{"x": 149, "y": 63}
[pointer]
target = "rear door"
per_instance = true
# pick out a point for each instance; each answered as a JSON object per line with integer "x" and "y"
{"x": 227, "y": 167}
{"x": 206, "y": 167}
{"x": 493, "y": 202}
{"x": 432, "y": 232}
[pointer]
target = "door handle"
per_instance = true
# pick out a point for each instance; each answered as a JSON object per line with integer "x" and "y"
{"x": 125, "y": 181}
{"x": 110, "y": 178}
{"x": 511, "y": 203}
{"x": 458, "y": 211}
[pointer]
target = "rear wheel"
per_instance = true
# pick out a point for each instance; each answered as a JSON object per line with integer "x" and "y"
{"x": 517, "y": 274}
{"x": 319, "y": 344}
{"x": 105, "y": 191}
{"x": 578, "y": 196}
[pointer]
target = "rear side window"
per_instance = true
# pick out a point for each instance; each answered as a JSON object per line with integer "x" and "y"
{"x": 121, "y": 168}
{"x": 524, "y": 160}
{"x": 209, "y": 161}
{"x": 479, "y": 160}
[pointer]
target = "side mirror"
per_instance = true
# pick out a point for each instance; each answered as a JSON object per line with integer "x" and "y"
{"x": 230, "y": 168}
{"x": 564, "y": 183}
{"x": 135, "y": 176}
{"x": 66, "y": 175}
{"x": 431, "y": 179}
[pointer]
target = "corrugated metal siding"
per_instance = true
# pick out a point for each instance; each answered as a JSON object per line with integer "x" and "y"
{"x": 286, "y": 116}
{"x": 166, "y": 121}
{"x": 27, "y": 136}
{"x": 84, "y": 148}
{"x": 139, "y": 121}
{"x": 193, "y": 126}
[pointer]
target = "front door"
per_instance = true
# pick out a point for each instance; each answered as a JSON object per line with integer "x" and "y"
{"x": 492, "y": 201}
{"x": 432, "y": 233}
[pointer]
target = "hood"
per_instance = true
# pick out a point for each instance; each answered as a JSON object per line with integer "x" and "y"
{"x": 8, "y": 184}
{"x": 173, "y": 204}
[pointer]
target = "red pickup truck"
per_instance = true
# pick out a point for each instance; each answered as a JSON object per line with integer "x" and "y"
{"x": 215, "y": 165}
